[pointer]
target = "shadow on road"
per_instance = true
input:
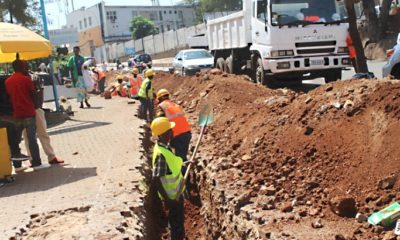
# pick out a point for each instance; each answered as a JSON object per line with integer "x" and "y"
{"x": 46, "y": 179}
{"x": 80, "y": 125}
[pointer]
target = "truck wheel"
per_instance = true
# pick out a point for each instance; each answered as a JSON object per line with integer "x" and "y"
{"x": 333, "y": 75}
{"x": 220, "y": 64}
{"x": 229, "y": 65}
{"x": 396, "y": 71}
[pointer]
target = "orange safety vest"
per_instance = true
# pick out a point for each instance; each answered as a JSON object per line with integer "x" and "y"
{"x": 135, "y": 84}
{"x": 101, "y": 74}
{"x": 350, "y": 46}
{"x": 175, "y": 114}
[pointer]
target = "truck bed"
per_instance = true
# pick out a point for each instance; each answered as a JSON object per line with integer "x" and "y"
{"x": 229, "y": 32}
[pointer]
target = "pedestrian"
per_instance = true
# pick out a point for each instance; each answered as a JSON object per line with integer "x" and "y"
{"x": 352, "y": 51}
{"x": 56, "y": 70}
{"x": 146, "y": 96}
{"x": 8, "y": 122}
{"x": 20, "y": 88}
{"x": 41, "y": 124}
{"x": 75, "y": 64}
{"x": 167, "y": 176}
{"x": 104, "y": 67}
{"x": 43, "y": 67}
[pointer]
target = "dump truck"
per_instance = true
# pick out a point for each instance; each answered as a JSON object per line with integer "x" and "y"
{"x": 282, "y": 40}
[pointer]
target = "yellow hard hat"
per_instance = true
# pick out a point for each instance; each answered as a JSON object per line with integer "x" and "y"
{"x": 135, "y": 71}
{"x": 161, "y": 125}
{"x": 119, "y": 77}
{"x": 162, "y": 92}
{"x": 149, "y": 73}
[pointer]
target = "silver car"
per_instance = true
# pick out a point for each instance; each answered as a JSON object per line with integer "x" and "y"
{"x": 392, "y": 67}
{"x": 188, "y": 62}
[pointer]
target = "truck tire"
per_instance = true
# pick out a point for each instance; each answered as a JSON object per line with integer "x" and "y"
{"x": 229, "y": 65}
{"x": 396, "y": 71}
{"x": 220, "y": 64}
{"x": 333, "y": 75}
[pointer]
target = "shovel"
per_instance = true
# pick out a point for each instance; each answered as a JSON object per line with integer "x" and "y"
{"x": 206, "y": 117}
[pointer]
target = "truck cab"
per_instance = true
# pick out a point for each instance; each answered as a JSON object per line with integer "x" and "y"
{"x": 285, "y": 40}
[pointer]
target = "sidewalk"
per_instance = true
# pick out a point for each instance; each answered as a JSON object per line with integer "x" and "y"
{"x": 95, "y": 195}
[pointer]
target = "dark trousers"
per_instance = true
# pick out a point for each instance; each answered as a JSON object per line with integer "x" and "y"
{"x": 147, "y": 106}
{"x": 181, "y": 144}
{"x": 102, "y": 83}
{"x": 13, "y": 139}
{"x": 30, "y": 126}
{"x": 176, "y": 220}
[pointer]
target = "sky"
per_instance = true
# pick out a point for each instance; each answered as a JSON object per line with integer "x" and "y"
{"x": 55, "y": 9}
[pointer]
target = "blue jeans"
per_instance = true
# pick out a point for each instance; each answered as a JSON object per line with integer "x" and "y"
{"x": 30, "y": 126}
{"x": 181, "y": 145}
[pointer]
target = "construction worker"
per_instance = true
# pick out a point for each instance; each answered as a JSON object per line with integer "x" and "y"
{"x": 135, "y": 83}
{"x": 167, "y": 176}
{"x": 182, "y": 131}
{"x": 146, "y": 96}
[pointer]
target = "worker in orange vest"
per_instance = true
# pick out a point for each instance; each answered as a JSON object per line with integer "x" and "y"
{"x": 352, "y": 51}
{"x": 135, "y": 83}
{"x": 182, "y": 131}
{"x": 101, "y": 79}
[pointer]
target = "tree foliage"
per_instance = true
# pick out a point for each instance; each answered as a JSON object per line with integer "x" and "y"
{"x": 204, "y": 6}
{"x": 24, "y": 12}
{"x": 142, "y": 27}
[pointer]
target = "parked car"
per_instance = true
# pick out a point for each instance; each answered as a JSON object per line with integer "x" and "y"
{"x": 392, "y": 67}
{"x": 143, "y": 61}
{"x": 188, "y": 62}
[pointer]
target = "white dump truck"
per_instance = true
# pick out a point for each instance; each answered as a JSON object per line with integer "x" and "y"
{"x": 282, "y": 40}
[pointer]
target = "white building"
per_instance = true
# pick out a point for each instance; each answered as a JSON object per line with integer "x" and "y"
{"x": 100, "y": 24}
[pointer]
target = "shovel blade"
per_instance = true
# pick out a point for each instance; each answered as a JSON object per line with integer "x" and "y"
{"x": 206, "y": 116}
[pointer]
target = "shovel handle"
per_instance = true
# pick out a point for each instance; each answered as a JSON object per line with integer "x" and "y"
{"x": 195, "y": 151}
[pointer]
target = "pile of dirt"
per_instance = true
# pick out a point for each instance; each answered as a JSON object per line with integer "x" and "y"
{"x": 319, "y": 157}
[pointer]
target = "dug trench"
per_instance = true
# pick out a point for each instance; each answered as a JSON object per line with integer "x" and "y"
{"x": 283, "y": 164}
{"x": 156, "y": 224}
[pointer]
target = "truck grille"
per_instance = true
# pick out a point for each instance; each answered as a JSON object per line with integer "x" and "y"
{"x": 313, "y": 48}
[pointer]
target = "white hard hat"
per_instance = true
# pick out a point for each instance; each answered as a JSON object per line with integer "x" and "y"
{"x": 398, "y": 39}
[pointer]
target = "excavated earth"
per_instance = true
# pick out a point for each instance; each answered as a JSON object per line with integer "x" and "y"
{"x": 283, "y": 164}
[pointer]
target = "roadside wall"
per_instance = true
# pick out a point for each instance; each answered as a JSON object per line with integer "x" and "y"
{"x": 170, "y": 41}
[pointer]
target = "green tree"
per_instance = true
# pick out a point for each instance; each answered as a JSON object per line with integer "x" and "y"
{"x": 24, "y": 12}
{"x": 142, "y": 27}
{"x": 203, "y": 6}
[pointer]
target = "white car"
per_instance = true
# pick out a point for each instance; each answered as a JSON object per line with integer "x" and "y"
{"x": 188, "y": 62}
{"x": 392, "y": 67}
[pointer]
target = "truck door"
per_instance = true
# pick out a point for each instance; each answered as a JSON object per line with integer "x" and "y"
{"x": 259, "y": 21}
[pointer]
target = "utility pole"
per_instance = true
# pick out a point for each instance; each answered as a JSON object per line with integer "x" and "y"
{"x": 46, "y": 35}
{"x": 72, "y": 3}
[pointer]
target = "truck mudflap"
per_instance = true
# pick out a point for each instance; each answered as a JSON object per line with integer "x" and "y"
{"x": 306, "y": 64}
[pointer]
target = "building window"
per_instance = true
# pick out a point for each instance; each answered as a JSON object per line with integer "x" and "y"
{"x": 80, "y": 24}
{"x": 90, "y": 21}
{"x": 170, "y": 12}
{"x": 112, "y": 16}
{"x": 175, "y": 12}
{"x": 168, "y": 27}
{"x": 134, "y": 13}
{"x": 161, "y": 18}
{"x": 85, "y": 23}
{"x": 165, "y": 12}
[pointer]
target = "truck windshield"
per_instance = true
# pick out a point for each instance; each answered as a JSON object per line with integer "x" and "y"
{"x": 304, "y": 12}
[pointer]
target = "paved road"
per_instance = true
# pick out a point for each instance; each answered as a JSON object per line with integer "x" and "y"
{"x": 101, "y": 148}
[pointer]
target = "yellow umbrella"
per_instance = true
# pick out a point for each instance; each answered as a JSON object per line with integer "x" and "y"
{"x": 17, "y": 39}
